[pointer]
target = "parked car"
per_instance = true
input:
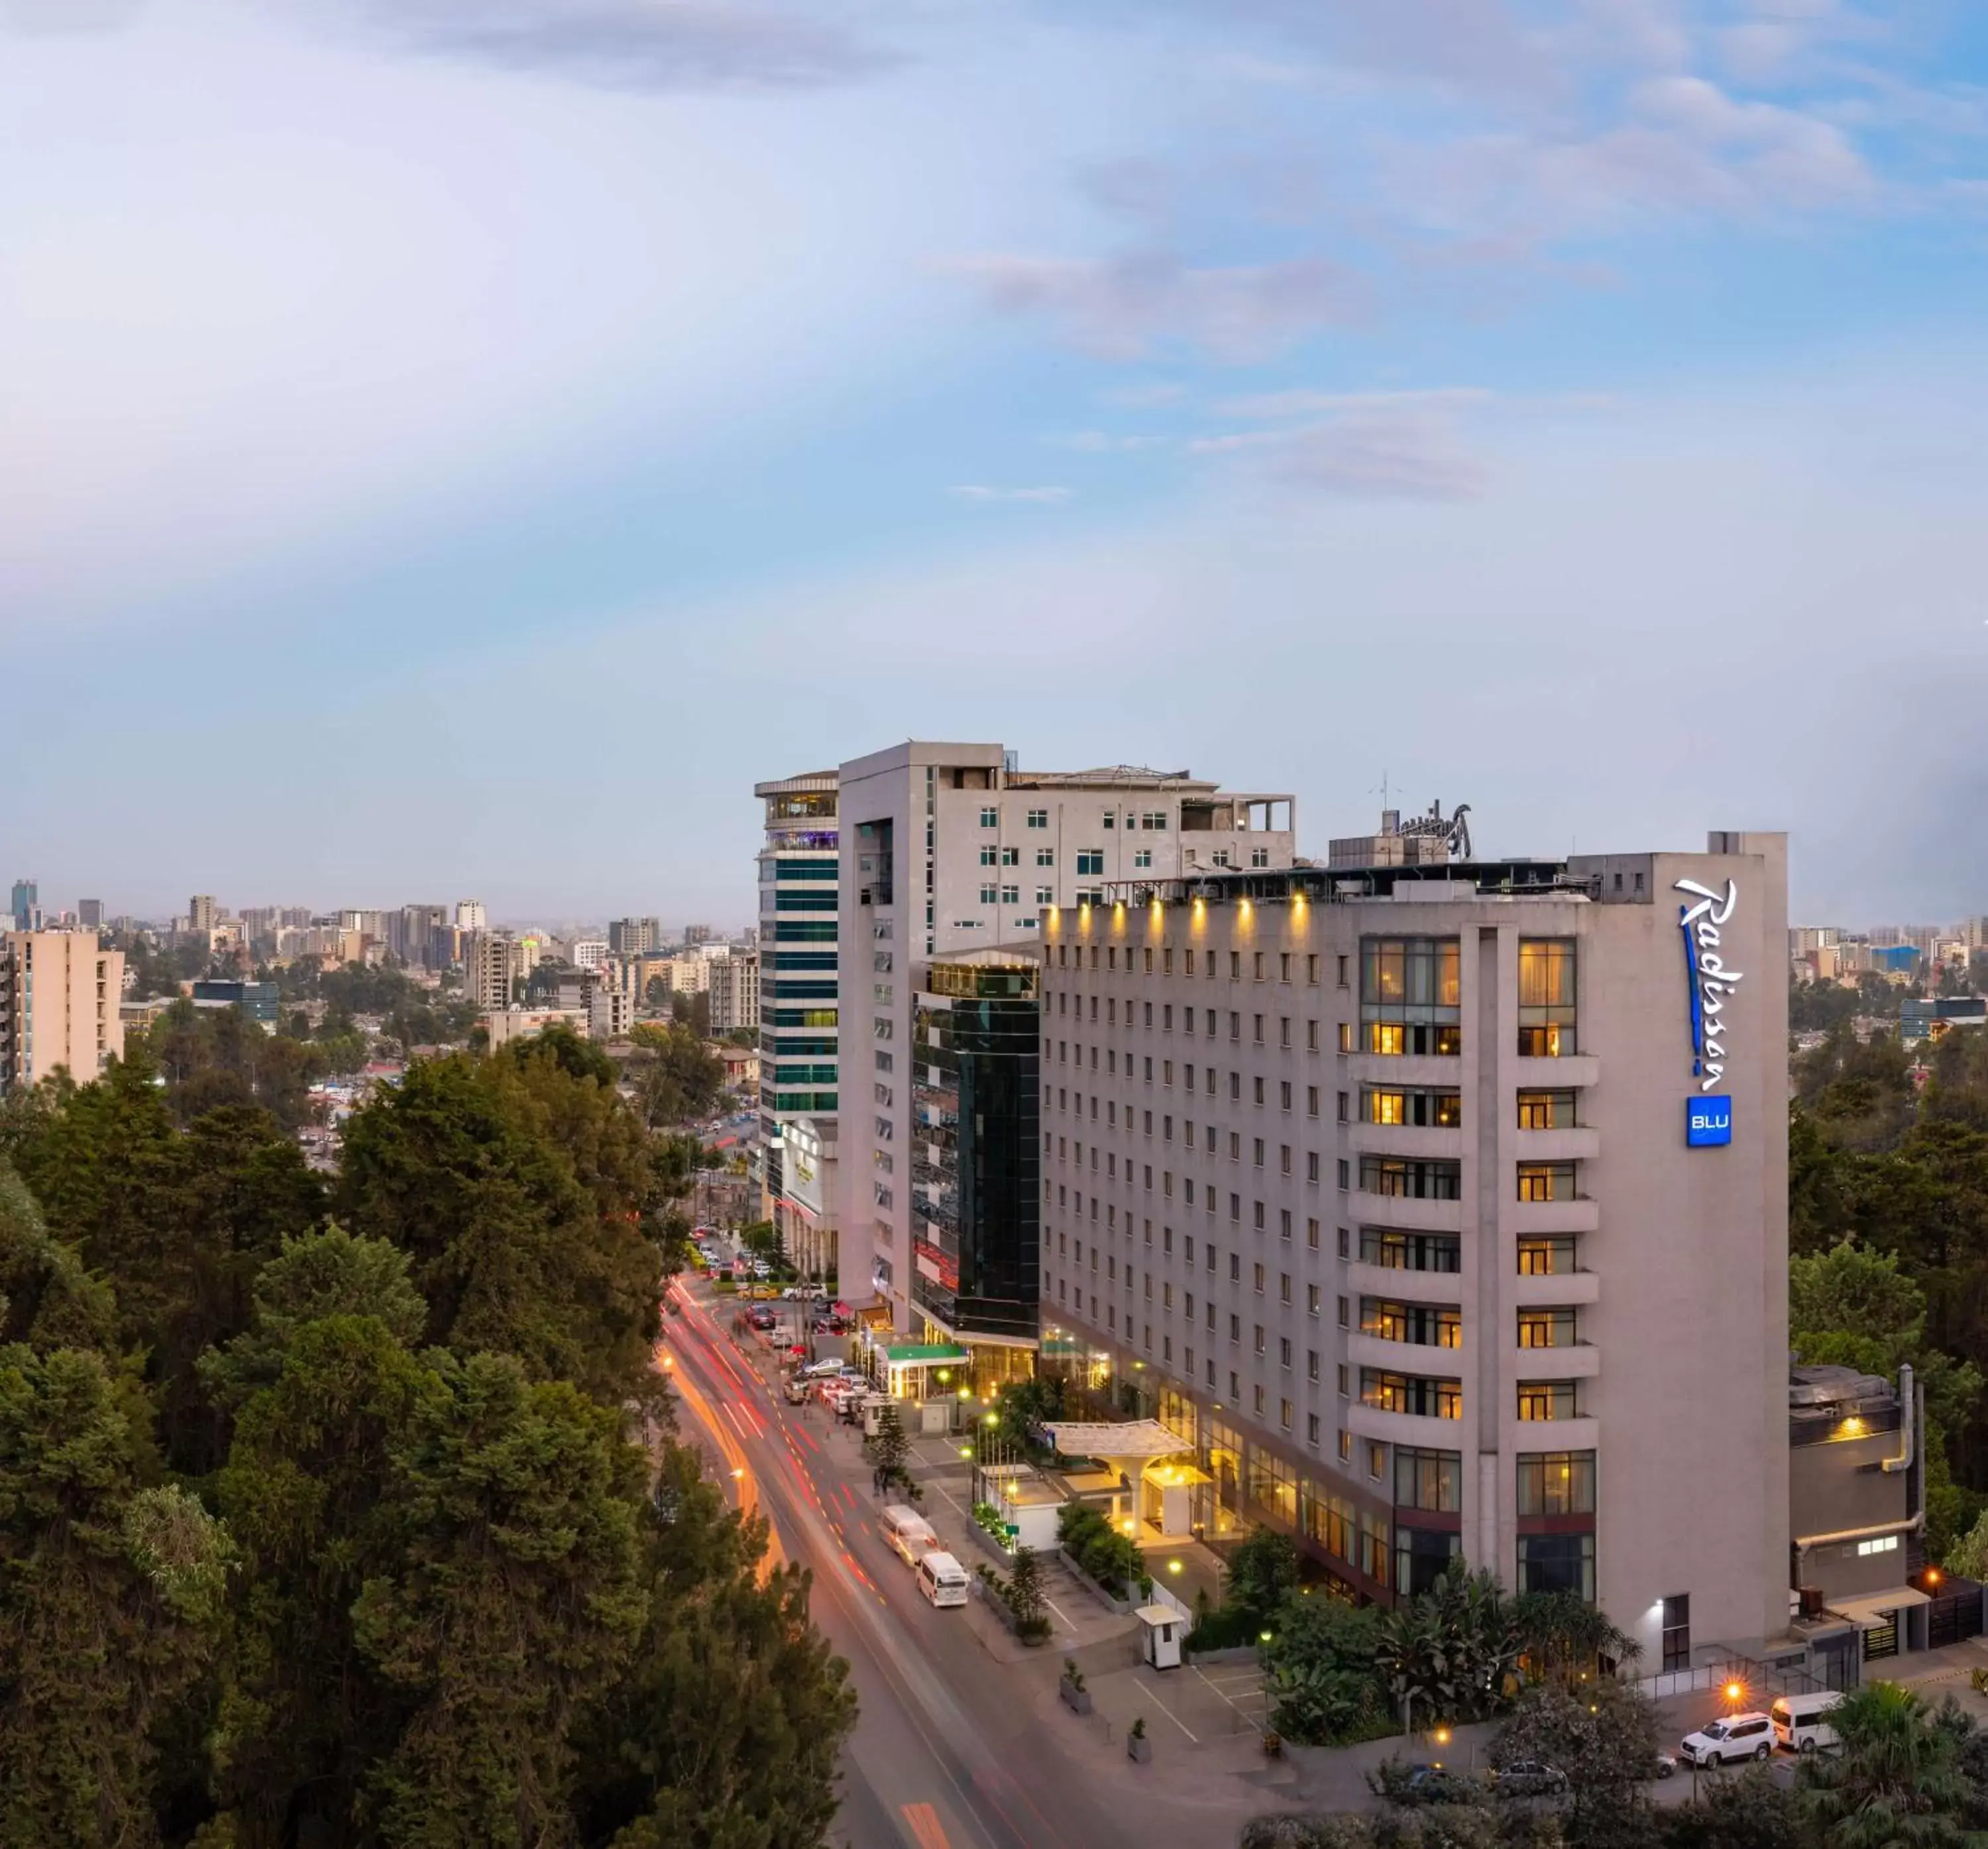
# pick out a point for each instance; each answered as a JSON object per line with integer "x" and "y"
{"x": 1737, "y": 1736}
{"x": 941, "y": 1578}
{"x": 1664, "y": 1766}
{"x": 1530, "y": 1778}
{"x": 795, "y": 1392}
{"x": 1437, "y": 1785}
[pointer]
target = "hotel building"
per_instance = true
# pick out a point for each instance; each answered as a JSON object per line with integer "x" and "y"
{"x": 952, "y": 853}
{"x": 799, "y": 1000}
{"x": 1443, "y": 1211}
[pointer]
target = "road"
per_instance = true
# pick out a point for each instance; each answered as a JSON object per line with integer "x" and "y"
{"x": 944, "y": 1728}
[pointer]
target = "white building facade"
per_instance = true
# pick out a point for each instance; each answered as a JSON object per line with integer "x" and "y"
{"x": 951, "y": 848}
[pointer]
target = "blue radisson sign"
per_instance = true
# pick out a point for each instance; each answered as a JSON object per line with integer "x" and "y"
{"x": 1708, "y": 1117}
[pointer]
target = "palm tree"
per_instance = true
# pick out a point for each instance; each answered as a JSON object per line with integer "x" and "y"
{"x": 1564, "y": 1637}
{"x": 1895, "y": 1784}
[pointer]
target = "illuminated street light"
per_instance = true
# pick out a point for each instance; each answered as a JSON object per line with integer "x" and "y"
{"x": 1173, "y": 1566}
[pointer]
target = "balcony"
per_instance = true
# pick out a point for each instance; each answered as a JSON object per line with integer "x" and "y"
{"x": 1578, "y": 1361}
{"x": 1575, "y": 1145}
{"x": 1410, "y": 1141}
{"x": 1573, "y": 1073}
{"x": 1402, "y": 1357}
{"x": 1407, "y": 1428}
{"x": 1443, "y": 1287}
{"x": 1439, "y": 1071}
{"x": 1527, "y": 1288}
{"x": 1408, "y": 1213}
{"x": 1542, "y": 1219}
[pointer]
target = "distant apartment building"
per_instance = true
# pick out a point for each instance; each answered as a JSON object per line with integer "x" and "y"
{"x": 423, "y": 934}
{"x": 953, "y": 848}
{"x": 490, "y": 963}
{"x": 611, "y": 1011}
{"x": 733, "y": 986}
{"x": 1441, "y": 1214}
{"x": 25, "y": 905}
{"x": 471, "y": 914}
{"x": 204, "y": 912}
{"x": 590, "y": 953}
{"x": 634, "y": 937}
{"x": 90, "y": 914}
{"x": 59, "y": 997}
{"x": 695, "y": 934}
{"x": 800, "y": 991}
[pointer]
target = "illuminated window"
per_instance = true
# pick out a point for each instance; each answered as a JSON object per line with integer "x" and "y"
{"x": 1547, "y": 1110}
{"x": 1546, "y": 1328}
{"x": 1556, "y": 1483}
{"x": 1546, "y": 1181}
{"x": 1548, "y": 1400}
{"x": 1546, "y": 998}
{"x": 1546, "y": 1258}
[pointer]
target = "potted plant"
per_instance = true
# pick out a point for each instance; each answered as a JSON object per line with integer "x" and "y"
{"x": 1076, "y": 1697}
{"x": 1137, "y": 1746}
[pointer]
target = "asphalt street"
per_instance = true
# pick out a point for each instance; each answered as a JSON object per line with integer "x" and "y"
{"x": 951, "y": 1751}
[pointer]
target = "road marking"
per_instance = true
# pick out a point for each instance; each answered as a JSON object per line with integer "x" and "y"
{"x": 941, "y": 1488}
{"x": 1168, "y": 1712}
{"x": 924, "y": 1820}
{"x": 1061, "y": 1613}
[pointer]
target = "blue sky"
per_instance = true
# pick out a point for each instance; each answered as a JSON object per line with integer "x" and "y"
{"x": 455, "y": 446}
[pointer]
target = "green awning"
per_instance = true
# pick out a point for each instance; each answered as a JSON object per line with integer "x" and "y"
{"x": 911, "y": 1354}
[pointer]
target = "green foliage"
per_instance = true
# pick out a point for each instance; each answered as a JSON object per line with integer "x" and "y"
{"x": 1322, "y": 1669}
{"x": 1112, "y": 1560}
{"x": 1896, "y": 1778}
{"x": 1603, "y": 1737}
{"x": 48, "y": 1299}
{"x": 1262, "y": 1573}
{"x": 524, "y": 1197}
{"x": 1452, "y": 1653}
{"x": 109, "y": 1605}
{"x": 677, "y": 1079}
{"x": 1563, "y": 1639}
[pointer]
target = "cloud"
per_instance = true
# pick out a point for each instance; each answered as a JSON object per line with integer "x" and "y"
{"x": 1316, "y": 404}
{"x": 1126, "y": 307}
{"x": 52, "y": 18}
{"x": 1130, "y": 187}
{"x": 1148, "y": 396}
{"x": 1387, "y": 455}
{"x": 1103, "y": 442}
{"x": 652, "y": 45}
{"x": 1042, "y": 496}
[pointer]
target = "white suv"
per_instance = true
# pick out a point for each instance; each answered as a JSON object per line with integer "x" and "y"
{"x": 1738, "y": 1736}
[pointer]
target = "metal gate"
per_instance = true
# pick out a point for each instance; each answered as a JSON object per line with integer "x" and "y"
{"x": 1882, "y": 1639}
{"x": 1953, "y": 1617}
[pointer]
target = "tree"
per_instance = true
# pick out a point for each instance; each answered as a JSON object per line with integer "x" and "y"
{"x": 1025, "y": 1598}
{"x": 458, "y": 1167}
{"x": 1324, "y": 1683}
{"x": 725, "y": 1730}
{"x": 889, "y": 1450}
{"x": 110, "y": 1605}
{"x": 48, "y": 1299}
{"x": 1895, "y": 1780}
{"x": 678, "y": 1079}
{"x": 513, "y": 1602}
{"x": 1262, "y": 1573}
{"x": 1564, "y": 1638}
{"x": 1452, "y": 1653}
{"x": 1745, "y": 1809}
{"x": 1604, "y": 1737}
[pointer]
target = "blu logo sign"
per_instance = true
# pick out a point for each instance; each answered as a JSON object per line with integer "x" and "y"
{"x": 1707, "y": 1123}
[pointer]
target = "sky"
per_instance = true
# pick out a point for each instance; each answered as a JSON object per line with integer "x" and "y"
{"x": 456, "y": 447}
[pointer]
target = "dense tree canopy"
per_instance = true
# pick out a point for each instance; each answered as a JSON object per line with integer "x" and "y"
{"x": 335, "y": 1532}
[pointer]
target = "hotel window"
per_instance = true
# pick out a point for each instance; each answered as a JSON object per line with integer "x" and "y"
{"x": 990, "y": 818}
{"x": 1421, "y": 1180}
{"x": 1045, "y": 856}
{"x": 1429, "y": 1480}
{"x": 1413, "y": 1394}
{"x": 1311, "y": 1428}
{"x": 1549, "y": 1400}
{"x": 1110, "y": 818}
{"x": 1011, "y": 895}
{"x": 1547, "y": 1110}
{"x": 1011, "y": 856}
{"x": 990, "y": 895}
{"x": 1411, "y": 1251}
{"x": 1546, "y": 997}
{"x": 1142, "y": 856}
{"x": 1045, "y": 895}
{"x": 988, "y": 855}
{"x": 1546, "y": 1328}
{"x": 1546, "y": 1181}
{"x": 1677, "y": 1631}
{"x": 1425, "y": 1325}
{"x": 1425, "y": 1109}
{"x": 1546, "y": 1258}
{"x": 1090, "y": 862}
{"x": 1313, "y": 1298}
{"x": 1558, "y": 1562}
{"x": 1556, "y": 1483}
{"x": 1409, "y": 995}
{"x": 1345, "y": 1447}
{"x": 1039, "y": 818}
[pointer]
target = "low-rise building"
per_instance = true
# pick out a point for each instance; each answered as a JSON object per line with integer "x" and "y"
{"x": 259, "y": 1002}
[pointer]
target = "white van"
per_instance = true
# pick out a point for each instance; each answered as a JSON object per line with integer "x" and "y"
{"x": 941, "y": 1578}
{"x": 1800, "y": 1721}
{"x": 908, "y": 1531}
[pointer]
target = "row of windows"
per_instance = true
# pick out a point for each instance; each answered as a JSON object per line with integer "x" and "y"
{"x": 1550, "y": 1483}
{"x": 1156, "y": 819}
{"x": 1290, "y": 965}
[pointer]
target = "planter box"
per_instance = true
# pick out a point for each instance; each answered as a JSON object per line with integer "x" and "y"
{"x": 1138, "y": 1747}
{"x": 1239, "y": 1653}
{"x": 1076, "y": 1700}
{"x": 1120, "y": 1606}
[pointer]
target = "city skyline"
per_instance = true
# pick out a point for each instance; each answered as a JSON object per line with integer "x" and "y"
{"x": 1566, "y": 408}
